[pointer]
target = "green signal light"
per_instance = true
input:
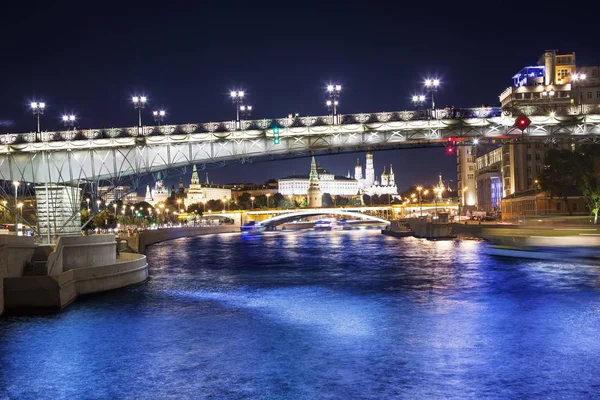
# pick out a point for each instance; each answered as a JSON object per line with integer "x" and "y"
{"x": 276, "y": 130}
{"x": 276, "y": 140}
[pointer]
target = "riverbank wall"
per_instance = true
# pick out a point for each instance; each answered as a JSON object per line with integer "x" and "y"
{"x": 140, "y": 240}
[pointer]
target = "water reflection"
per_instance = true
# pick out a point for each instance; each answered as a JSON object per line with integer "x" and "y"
{"x": 318, "y": 315}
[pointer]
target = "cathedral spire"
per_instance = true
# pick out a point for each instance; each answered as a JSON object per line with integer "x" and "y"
{"x": 314, "y": 176}
{"x": 195, "y": 179}
{"x": 148, "y": 197}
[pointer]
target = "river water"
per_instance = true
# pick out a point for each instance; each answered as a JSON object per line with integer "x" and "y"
{"x": 318, "y": 315}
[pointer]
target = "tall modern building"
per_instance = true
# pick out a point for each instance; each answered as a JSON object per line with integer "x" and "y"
{"x": 465, "y": 173}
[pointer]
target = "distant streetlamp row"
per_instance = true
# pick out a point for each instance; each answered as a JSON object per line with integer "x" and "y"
{"x": 244, "y": 110}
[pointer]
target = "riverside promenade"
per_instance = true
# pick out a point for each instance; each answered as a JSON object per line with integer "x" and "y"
{"x": 42, "y": 279}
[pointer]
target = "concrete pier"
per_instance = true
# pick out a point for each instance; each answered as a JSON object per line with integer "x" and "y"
{"x": 78, "y": 265}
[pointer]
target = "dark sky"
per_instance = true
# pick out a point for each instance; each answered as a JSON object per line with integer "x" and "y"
{"x": 89, "y": 58}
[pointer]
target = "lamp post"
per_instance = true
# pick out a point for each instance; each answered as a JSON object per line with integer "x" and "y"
{"x": 245, "y": 111}
{"x": 98, "y": 202}
{"x": 418, "y": 100}
{"x": 420, "y": 190}
{"x": 87, "y": 200}
{"x": 20, "y": 208}
{"x": 577, "y": 78}
{"x": 436, "y": 191}
{"x": 37, "y": 107}
{"x": 159, "y": 116}
{"x": 536, "y": 182}
{"x": 237, "y": 97}
{"x": 252, "y": 200}
{"x": 132, "y": 208}
{"x": 138, "y": 103}
{"x": 69, "y": 121}
{"x": 204, "y": 204}
{"x": 333, "y": 91}
{"x": 115, "y": 207}
{"x": 268, "y": 195}
{"x": 432, "y": 86}
{"x": 16, "y": 183}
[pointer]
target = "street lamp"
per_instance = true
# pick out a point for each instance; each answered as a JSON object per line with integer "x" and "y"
{"x": 252, "y": 200}
{"x": 237, "y": 97}
{"x": 159, "y": 116}
{"x": 333, "y": 92}
{"x": 432, "y": 86}
{"x": 115, "y": 207}
{"x": 535, "y": 198}
{"x": 69, "y": 121}
{"x": 204, "y": 204}
{"x": 139, "y": 102}
{"x": 292, "y": 205}
{"x": 268, "y": 195}
{"x": 37, "y": 107}
{"x": 132, "y": 208}
{"x": 16, "y": 183}
{"x": 418, "y": 99}
{"x": 98, "y": 202}
{"x": 577, "y": 78}
{"x": 245, "y": 110}
{"x": 87, "y": 200}
{"x": 420, "y": 190}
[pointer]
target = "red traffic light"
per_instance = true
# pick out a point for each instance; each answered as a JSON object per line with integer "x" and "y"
{"x": 522, "y": 122}
{"x": 450, "y": 150}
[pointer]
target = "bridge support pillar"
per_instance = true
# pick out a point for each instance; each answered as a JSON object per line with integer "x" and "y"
{"x": 57, "y": 211}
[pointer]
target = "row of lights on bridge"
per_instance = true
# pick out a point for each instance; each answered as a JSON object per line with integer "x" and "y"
{"x": 244, "y": 110}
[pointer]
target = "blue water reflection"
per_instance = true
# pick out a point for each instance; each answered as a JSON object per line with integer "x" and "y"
{"x": 341, "y": 315}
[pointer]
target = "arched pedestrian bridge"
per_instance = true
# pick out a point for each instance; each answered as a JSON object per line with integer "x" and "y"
{"x": 291, "y": 215}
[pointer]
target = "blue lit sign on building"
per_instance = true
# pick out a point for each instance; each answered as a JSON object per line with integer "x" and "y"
{"x": 529, "y": 76}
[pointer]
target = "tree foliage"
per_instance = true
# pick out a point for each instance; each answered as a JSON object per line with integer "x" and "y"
{"x": 568, "y": 172}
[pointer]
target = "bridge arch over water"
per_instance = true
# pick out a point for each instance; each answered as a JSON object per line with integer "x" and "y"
{"x": 292, "y": 216}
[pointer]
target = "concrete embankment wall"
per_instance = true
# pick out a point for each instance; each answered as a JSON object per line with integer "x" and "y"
{"x": 425, "y": 229}
{"x": 78, "y": 265}
{"x": 140, "y": 241}
{"x": 14, "y": 252}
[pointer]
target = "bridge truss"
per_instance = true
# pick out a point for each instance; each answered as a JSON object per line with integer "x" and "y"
{"x": 64, "y": 164}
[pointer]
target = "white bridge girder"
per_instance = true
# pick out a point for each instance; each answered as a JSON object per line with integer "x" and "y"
{"x": 89, "y": 156}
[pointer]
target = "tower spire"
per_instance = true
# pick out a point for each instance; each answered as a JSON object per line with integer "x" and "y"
{"x": 195, "y": 179}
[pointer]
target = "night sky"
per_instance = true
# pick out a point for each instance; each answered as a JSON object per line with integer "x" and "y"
{"x": 89, "y": 58}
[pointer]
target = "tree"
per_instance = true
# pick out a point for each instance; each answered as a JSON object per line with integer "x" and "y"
{"x": 590, "y": 188}
{"x": 277, "y": 199}
{"x": 560, "y": 174}
{"x": 326, "y": 200}
{"x": 244, "y": 201}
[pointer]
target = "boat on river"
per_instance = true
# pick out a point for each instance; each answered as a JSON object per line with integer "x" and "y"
{"x": 330, "y": 224}
{"x": 554, "y": 248}
{"x": 252, "y": 228}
